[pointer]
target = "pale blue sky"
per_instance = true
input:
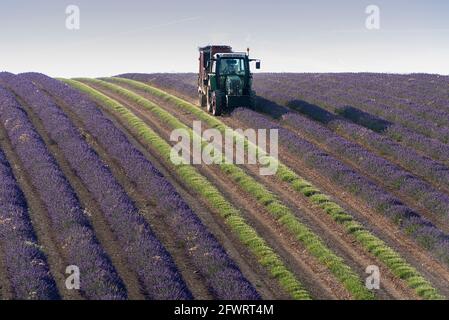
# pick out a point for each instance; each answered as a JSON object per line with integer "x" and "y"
{"x": 163, "y": 36}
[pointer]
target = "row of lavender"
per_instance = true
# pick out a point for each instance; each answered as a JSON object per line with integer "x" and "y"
{"x": 182, "y": 83}
{"x": 419, "y": 89}
{"x": 221, "y": 274}
{"x": 146, "y": 255}
{"x": 409, "y": 116}
{"x": 382, "y": 90}
{"x": 332, "y": 98}
{"x": 389, "y": 93}
{"x": 383, "y": 145}
{"x": 428, "y": 91}
{"x": 69, "y": 223}
{"x": 26, "y": 265}
{"x": 420, "y": 229}
{"x": 391, "y": 175}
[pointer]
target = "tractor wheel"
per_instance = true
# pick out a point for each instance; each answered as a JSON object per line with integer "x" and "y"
{"x": 209, "y": 102}
{"x": 202, "y": 100}
{"x": 217, "y": 103}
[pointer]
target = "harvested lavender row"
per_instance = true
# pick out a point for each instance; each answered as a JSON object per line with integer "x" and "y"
{"x": 392, "y": 175}
{"x": 183, "y": 83}
{"x": 417, "y": 227}
{"x": 146, "y": 255}
{"x": 26, "y": 265}
{"x": 224, "y": 278}
{"x": 430, "y": 198}
{"x": 71, "y": 228}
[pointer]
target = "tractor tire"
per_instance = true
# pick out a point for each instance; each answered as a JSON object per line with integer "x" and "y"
{"x": 217, "y": 103}
{"x": 202, "y": 100}
{"x": 209, "y": 102}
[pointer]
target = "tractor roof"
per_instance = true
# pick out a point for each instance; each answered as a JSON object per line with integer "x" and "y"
{"x": 216, "y": 48}
{"x": 231, "y": 55}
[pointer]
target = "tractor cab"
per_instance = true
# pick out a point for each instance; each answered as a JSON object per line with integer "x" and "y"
{"x": 231, "y": 74}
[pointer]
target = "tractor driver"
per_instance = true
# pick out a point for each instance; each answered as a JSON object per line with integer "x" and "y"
{"x": 229, "y": 67}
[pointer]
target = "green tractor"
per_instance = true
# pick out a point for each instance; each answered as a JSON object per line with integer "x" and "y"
{"x": 225, "y": 79}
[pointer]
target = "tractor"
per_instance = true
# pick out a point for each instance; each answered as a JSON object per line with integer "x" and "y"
{"x": 225, "y": 79}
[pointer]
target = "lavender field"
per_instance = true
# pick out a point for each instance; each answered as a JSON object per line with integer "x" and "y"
{"x": 86, "y": 180}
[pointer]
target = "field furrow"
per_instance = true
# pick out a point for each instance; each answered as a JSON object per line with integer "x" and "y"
{"x": 346, "y": 174}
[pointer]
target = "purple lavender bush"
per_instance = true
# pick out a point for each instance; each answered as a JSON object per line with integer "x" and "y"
{"x": 146, "y": 255}
{"x": 26, "y": 264}
{"x": 71, "y": 228}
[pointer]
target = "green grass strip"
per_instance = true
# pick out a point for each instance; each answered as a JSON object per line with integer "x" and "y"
{"x": 398, "y": 265}
{"x": 283, "y": 215}
{"x": 190, "y": 175}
